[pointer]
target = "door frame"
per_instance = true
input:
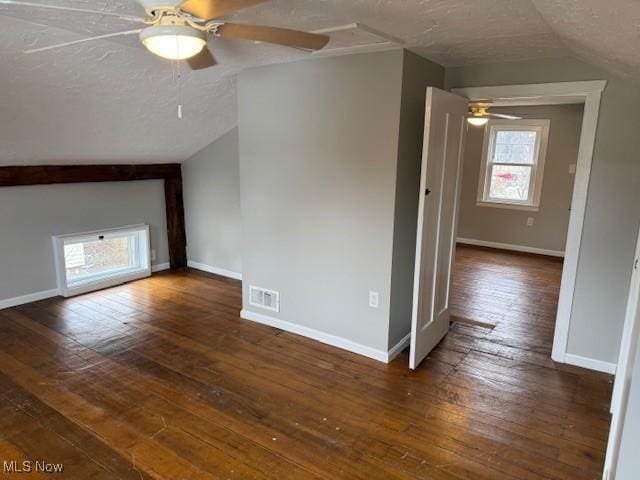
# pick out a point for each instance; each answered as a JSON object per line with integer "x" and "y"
{"x": 624, "y": 371}
{"x": 588, "y": 93}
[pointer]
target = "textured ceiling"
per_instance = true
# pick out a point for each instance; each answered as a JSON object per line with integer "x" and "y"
{"x": 112, "y": 101}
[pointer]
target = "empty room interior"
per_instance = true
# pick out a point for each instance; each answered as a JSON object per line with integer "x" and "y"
{"x": 280, "y": 239}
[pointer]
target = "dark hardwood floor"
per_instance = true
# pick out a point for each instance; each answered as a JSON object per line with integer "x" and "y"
{"x": 161, "y": 379}
{"x": 516, "y": 293}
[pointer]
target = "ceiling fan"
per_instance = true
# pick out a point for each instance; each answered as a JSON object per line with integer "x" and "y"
{"x": 479, "y": 114}
{"x": 178, "y": 29}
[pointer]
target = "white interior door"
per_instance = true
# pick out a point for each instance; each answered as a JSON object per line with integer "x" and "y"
{"x": 626, "y": 359}
{"x": 444, "y": 132}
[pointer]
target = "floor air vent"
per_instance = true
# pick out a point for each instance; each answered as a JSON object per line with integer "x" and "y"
{"x": 263, "y": 298}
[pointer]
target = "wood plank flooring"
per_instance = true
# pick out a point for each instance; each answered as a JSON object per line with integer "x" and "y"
{"x": 161, "y": 379}
{"x": 517, "y": 293}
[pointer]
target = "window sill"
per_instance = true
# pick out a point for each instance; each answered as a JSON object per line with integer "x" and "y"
{"x": 104, "y": 281}
{"x": 511, "y": 206}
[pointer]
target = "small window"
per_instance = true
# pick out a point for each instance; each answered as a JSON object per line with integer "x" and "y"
{"x": 90, "y": 261}
{"x": 512, "y": 167}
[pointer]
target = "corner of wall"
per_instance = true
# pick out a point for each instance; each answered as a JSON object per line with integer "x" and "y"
{"x": 298, "y": 196}
{"x": 211, "y": 180}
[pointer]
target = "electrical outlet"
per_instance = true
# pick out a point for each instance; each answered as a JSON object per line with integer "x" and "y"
{"x": 530, "y": 222}
{"x": 153, "y": 255}
{"x": 572, "y": 168}
{"x": 374, "y": 299}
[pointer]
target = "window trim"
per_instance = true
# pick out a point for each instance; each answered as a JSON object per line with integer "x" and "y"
{"x": 537, "y": 169}
{"x": 100, "y": 281}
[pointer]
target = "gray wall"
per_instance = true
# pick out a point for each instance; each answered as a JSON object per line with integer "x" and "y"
{"x": 30, "y": 216}
{"x": 417, "y": 74}
{"x": 318, "y": 154}
{"x": 552, "y": 219}
{"x": 211, "y": 181}
{"x": 611, "y": 219}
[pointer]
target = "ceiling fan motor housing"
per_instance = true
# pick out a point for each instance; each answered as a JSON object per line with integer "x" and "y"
{"x": 150, "y": 5}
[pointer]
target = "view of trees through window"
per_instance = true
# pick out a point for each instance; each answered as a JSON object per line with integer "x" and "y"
{"x": 89, "y": 258}
{"x": 512, "y": 158}
{"x": 509, "y": 182}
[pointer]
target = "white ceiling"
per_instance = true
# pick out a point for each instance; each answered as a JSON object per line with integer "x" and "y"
{"x": 111, "y": 101}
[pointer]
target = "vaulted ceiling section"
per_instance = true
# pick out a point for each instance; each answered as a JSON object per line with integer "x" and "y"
{"x": 112, "y": 101}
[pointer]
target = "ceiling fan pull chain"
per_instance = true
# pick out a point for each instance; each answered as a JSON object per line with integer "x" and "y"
{"x": 178, "y": 78}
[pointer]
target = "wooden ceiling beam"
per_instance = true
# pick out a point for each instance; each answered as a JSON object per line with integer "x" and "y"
{"x": 14, "y": 176}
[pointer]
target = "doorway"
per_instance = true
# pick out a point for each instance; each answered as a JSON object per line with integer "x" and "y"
{"x": 515, "y": 205}
{"x": 586, "y": 94}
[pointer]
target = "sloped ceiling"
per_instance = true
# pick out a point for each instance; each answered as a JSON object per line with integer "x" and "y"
{"x": 111, "y": 101}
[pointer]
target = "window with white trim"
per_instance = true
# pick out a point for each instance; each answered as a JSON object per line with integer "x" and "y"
{"x": 513, "y": 156}
{"x": 100, "y": 259}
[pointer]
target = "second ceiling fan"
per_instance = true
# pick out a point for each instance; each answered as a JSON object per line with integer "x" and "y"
{"x": 178, "y": 30}
{"x": 479, "y": 114}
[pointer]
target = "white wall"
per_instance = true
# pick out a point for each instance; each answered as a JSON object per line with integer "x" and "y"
{"x": 211, "y": 184}
{"x": 30, "y": 216}
{"x": 611, "y": 219}
{"x": 509, "y": 226}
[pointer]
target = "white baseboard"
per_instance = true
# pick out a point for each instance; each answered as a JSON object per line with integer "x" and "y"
{"x": 399, "y": 347}
{"x": 32, "y": 297}
{"x": 590, "y": 363}
{"x": 327, "y": 338}
{"x": 509, "y": 246}
{"x": 218, "y": 271}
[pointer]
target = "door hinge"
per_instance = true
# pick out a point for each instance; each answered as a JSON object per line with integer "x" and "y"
{"x": 635, "y": 264}
{"x": 427, "y": 191}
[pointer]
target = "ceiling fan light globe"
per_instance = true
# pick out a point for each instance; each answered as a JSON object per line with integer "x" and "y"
{"x": 477, "y": 121}
{"x": 174, "y": 42}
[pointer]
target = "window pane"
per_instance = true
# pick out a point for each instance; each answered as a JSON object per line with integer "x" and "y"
{"x": 510, "y": 182}
{"x": 94, "y": 257}
{"x": 515, "y": 146}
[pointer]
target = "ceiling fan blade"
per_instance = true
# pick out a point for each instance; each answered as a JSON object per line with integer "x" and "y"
{"x": 83, "y": 40}
{"x": 204, "y": 59}
{"x": 279, "y": 36}
{"x": 506, "y": 117}
{"x": 210, "y": 9}
{"x": 71, "y": 9}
